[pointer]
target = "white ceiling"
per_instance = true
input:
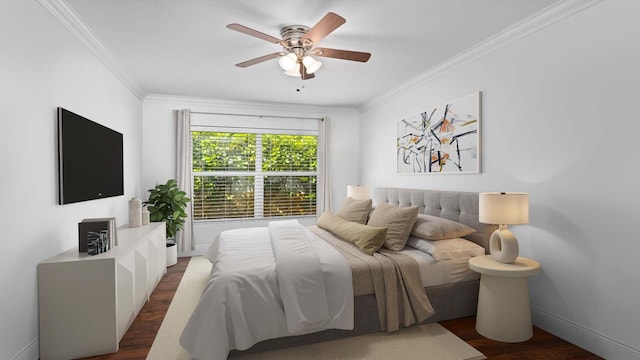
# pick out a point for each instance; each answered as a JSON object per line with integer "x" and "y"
{"x": 184, "y": 48}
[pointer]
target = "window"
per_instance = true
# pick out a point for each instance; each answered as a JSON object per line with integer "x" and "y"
{"x": 246, "y": 175}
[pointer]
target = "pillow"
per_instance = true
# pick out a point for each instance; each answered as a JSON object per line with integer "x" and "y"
{"x": 437, "y": 228}
{"x": 368, "y": 238}
{"x": 398, "y": 221}
{"x": 355, "y": 210}
{"x": 447, "y": 249}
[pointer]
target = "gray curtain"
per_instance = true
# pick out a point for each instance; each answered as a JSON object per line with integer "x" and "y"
{"x": 324, "y": 179}
{"x": 184, "y": 238}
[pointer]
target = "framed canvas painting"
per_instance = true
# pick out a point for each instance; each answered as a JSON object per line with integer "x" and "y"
{"x": 441, "y": 140}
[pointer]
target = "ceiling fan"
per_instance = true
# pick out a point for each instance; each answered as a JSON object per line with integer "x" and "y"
{"x": 298, "y": 43}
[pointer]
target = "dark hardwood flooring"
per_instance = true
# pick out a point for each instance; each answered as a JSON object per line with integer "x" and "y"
{"x": 542, "y": 345}
{"x": 138, "y": 339}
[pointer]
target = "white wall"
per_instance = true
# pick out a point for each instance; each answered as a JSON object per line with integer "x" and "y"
{"x": 159, "y": 146}
{"x": 42, "y": 66}
{"x": 560, "y": 121}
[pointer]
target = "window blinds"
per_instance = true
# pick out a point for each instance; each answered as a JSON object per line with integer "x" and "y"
{"x": 253, "y": 174}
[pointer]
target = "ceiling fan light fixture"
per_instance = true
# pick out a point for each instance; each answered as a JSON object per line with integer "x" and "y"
{"x": 298, "y": 43}
{"x": 311, "y": 64}
{"x": 288, "y": 62}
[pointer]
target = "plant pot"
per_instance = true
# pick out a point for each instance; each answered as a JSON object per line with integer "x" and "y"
{"x": 172, "y": 254}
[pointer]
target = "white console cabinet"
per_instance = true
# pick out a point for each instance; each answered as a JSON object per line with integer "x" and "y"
{"x": 86, "y": 303}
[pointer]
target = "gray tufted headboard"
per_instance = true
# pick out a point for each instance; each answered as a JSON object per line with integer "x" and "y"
{"x": 453, "y": 205}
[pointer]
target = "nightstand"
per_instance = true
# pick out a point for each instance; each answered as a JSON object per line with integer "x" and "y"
{"x": 504, "y": 312}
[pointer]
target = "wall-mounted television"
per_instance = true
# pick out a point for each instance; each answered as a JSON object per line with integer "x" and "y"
{"x": 90, "y": 159}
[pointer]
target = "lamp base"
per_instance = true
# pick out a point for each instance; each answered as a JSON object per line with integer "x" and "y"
{"x": 503, "y": 245}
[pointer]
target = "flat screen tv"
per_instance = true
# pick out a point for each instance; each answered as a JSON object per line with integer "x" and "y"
{"x": 90, "y": 159}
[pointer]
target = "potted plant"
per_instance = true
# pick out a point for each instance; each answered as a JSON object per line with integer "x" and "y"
{"x": 167, "y": 203}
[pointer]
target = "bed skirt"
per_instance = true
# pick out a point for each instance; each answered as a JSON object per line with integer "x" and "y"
{"x": 450, "y": 301}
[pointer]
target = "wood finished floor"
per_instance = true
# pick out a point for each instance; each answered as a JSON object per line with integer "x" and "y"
{"x": 138, "y": 339}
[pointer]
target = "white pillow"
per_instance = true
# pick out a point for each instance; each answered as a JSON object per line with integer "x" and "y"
{"x": 447, "y": 249}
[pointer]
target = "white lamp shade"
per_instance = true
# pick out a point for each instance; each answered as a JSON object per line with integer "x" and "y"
{"x": 358, "y": 192}
{"x": 504, "y": 208}
{"x": 311, "y": 64}
{"x": 288, "y": 62}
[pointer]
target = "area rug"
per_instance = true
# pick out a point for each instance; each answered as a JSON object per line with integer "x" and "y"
{"x": 430, "y": 341}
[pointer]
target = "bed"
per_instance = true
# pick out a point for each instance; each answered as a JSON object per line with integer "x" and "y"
{"x": 450, "y": 287}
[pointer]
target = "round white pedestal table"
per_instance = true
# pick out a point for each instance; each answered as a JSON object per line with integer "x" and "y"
{"x": 504, "y": 312}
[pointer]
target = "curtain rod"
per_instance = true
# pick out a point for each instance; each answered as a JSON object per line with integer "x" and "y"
{"x": 259, "y": 116}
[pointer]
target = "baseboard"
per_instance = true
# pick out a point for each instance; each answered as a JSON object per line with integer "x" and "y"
{"x": 590, "y": 340}
{"x": 31, "y": 352}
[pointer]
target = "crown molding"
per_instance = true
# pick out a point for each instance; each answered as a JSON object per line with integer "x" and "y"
{"x": 231, "y": 105}
{"x": 528, "y": 26}
{"x": 67, "y": 17}
{"x": 550, "y": 15}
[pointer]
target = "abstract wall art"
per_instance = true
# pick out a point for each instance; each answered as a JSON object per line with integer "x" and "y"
{"x": 441, "y": 140}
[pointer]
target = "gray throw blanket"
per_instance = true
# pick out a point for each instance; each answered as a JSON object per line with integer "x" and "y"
{"x": 394, "y": 277}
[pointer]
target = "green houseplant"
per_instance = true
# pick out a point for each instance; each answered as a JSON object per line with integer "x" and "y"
{"x": 167, "y": 203}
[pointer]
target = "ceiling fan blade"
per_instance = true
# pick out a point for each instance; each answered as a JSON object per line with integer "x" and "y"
{"x": 260, "y": 35}
{"x": 303, "y": 73}
{"x": 257, "y": 60}
{"x": 324, "y": 27}
{"x": 342, "y": 54}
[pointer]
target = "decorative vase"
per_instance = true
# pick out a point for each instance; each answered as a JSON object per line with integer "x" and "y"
{"x": 135, "y": 212}
{"x": 145, "y": 216}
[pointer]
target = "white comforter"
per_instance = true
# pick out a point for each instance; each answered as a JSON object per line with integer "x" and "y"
{"x": 265, "y": 283}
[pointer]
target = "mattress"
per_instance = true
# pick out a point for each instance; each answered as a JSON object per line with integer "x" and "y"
{"x": 441, "y": 272}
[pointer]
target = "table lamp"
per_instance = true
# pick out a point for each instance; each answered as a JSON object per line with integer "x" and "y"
{"x": 358, "y": 192}
{"x": 504, "y": 208}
